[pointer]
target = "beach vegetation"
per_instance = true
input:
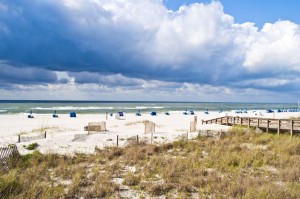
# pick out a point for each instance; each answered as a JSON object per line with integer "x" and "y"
{"x": 31, "y": 146}
{"x": 241, "y": 164}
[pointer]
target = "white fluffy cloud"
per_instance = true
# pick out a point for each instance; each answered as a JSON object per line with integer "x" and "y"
{"x": 276, "y": 48}
{"x": 136, "y": 45}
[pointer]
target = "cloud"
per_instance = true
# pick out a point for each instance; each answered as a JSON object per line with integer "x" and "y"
{"x": 275, "y": 49}
{"x": 24, "y": 75}
{"x": 136, "y": 45}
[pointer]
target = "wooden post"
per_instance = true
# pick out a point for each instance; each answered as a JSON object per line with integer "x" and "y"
{"x": 257, "y": 122}
{"x": 117, "y": 140}
{"x": 278, "y": 130}
{"x": 137, "y": 139}
{"x": 202, "y": 121}
{"x": 267, "y": 126}
{"x": 151, "y": 137}
{"x": 233, "y": 121}
{"x": 241, "y": 121}
{"x": 19, "y": 138}
{"x": 187, "y": 135}
{"x": 248, "y": 122}
{"x": 45, "y": 134}
{"x": 227, "y": 120}
{"x": 292, "y": 126}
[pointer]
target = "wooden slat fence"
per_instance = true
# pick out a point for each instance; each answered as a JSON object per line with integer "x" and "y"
{"x": 8, "y": 157}
{"x": 28, "y": 138}
{"x": 291, "y": 125}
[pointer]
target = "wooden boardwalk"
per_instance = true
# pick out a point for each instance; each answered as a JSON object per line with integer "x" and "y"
{"x": 278, "y": 125}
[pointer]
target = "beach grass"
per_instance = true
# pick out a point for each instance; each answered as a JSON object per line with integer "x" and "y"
{"x": 241, "y": 164}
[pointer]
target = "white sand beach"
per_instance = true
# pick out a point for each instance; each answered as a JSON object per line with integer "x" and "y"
{"x": 62, "y": 130}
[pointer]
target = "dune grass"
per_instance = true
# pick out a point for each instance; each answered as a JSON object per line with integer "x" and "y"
{"x": 242, "y": 164}
{"x": 31, "y": 146}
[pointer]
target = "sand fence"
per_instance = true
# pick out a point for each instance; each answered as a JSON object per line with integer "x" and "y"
{"x": 149, "y": 127}
{"x": 8, "y": 157}
{"x": 95, "y": 127}
{"x": 92, "y": 128}
{"x": 193, "y": 125}
{"x": 28, "y": 138}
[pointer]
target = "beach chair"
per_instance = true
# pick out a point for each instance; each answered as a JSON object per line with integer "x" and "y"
{"x": 138, "y": 113}
{"x": 120, "y": 116}
{"x": 72, "y": 114}
{"x": 167, "y": 113}
{"x": 54, "y": 115}
{"x": 30, "y": 115}
{"x": 153, "y": 113}
{"x": 206, "y": 112}
{"x": 191, "y": 113}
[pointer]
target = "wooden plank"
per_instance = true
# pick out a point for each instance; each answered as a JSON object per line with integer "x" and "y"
{"x": 292, "y": 126}
{"x": 278, "y": 128}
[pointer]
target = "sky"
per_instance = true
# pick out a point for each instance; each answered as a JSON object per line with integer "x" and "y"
{"x": 256, "y": 11}
{"x": 150, "y": 50}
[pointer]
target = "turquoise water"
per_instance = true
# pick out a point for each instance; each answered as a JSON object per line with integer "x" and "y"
{"x": 46, "y": 107}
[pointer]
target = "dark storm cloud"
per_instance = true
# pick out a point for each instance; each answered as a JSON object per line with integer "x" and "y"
{"x": 19, "y": 75}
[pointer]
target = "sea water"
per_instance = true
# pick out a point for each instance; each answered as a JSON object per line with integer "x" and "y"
{"x": 86, "y": 107}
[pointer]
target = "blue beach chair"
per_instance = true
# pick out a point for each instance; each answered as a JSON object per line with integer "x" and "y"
{"x": 153, "y": 113}
{"x": 72, "y": 114}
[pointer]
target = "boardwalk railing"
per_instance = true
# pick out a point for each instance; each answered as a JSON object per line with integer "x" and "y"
{"x": 290, "y": 125}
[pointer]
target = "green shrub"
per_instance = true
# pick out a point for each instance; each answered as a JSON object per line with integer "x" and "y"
{"x": 32, "y": 146}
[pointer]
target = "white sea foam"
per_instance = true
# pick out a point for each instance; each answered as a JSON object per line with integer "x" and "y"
{"x": 73, "y": 108}
{"x": 141, "y": 107}
{"x": 3, "y": 111}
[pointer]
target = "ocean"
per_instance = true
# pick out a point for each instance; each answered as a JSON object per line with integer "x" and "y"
{"x": 85, "y": 107}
